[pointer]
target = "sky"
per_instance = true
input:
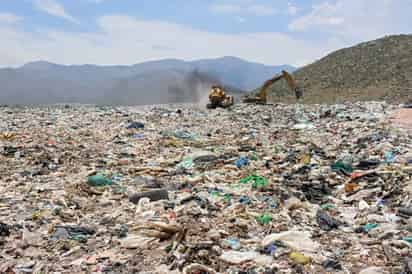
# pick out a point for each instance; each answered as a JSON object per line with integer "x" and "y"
{"x": 123, "y": 32}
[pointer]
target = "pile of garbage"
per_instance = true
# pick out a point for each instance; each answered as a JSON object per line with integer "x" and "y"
{"x": 176, "y": 189}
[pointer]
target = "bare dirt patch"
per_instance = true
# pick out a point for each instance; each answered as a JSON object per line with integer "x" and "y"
{"x": 403, "y": 118}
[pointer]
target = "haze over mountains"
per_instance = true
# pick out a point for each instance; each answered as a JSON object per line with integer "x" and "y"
{"x": 154, "y": 82}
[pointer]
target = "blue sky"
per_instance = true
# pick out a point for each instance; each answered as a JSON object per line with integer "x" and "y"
{"x": 130, "y": 31}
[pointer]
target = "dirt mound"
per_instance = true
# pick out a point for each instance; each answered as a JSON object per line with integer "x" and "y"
{"x": 374, "y": 70}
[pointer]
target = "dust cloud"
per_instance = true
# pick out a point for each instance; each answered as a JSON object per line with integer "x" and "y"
{"x": 193, "y": 89}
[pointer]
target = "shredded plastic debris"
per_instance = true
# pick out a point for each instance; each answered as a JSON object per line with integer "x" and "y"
{"x": 249, "y": 189}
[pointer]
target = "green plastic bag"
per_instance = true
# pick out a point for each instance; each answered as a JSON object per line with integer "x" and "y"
{"x": 186, "y": 164}
{"x": 408, "y": 239}
{"x": 368, "y": 227}
{"x": 80, "y": 238}
{"x": 327, "y": 206}
{"x": 341, "y": 166}
{"x": 253, "y": 157}
{"x": 257, "y": 181}
{"x": 264, "y": 219}
{"x": 99, "y": 180}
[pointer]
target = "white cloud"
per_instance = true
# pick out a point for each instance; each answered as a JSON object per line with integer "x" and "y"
{"x": 125, "y": 40}
{"x": 261, "y": 10}
{"x": 356, "y": 20}
{"x": 243, "y": 7}
{"x": 225, "y": 8}
{"x": 54, "y": 8}
{"x": 292, "y": 9}
{"x": 325, "y": 14}
{"x": 9, "y": 18}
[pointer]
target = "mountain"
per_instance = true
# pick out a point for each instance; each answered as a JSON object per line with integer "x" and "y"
{"x": 238, "y": 73}
{"x": 153, "y": 82}
{"x": 374, "y": 70}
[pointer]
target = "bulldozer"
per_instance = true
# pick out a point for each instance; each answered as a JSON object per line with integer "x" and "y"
{"x": 218, "y": 98}
{"x": 261, "y": 98}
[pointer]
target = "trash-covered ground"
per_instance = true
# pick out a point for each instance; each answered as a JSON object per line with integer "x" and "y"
{"x": 167, "y": 189}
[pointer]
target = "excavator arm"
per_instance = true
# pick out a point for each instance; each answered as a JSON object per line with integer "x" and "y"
{"x": 289, "y": 80}
{"x": 292, "y": 85}
{"x": 263, "y": 94}
{"x": 262, "y": 97}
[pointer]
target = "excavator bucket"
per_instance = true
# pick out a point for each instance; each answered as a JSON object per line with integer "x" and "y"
{"x": 298, "y": 93}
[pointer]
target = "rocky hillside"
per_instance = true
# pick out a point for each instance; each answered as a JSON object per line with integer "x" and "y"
{"x": 375, "y": 70}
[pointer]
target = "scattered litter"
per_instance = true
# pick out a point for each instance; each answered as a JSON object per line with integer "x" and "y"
{"x": 4, "y": 230}
{"x": 241, "y": 162}
{"x": 299, "y": 258}
{"x": 135, "y": 125}
{"x": 326, "y": 222}
{"x": 237, "y": 257}
{"x": 153, "y": 195}
{"x": 246, "y": 189}
{"x": 297, "y": 240}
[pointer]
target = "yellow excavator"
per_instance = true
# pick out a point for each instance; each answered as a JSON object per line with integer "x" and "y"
{"x": 218, "y": 97}
{"x": 262, "y": 96}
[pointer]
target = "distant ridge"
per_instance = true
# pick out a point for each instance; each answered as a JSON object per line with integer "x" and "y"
{"x": 151, "y": 82}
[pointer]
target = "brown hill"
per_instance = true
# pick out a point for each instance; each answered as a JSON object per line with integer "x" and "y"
{"x": 374, "y": 70}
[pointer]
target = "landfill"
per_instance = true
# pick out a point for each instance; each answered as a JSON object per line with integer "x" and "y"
{"x": 180, "y": 189}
